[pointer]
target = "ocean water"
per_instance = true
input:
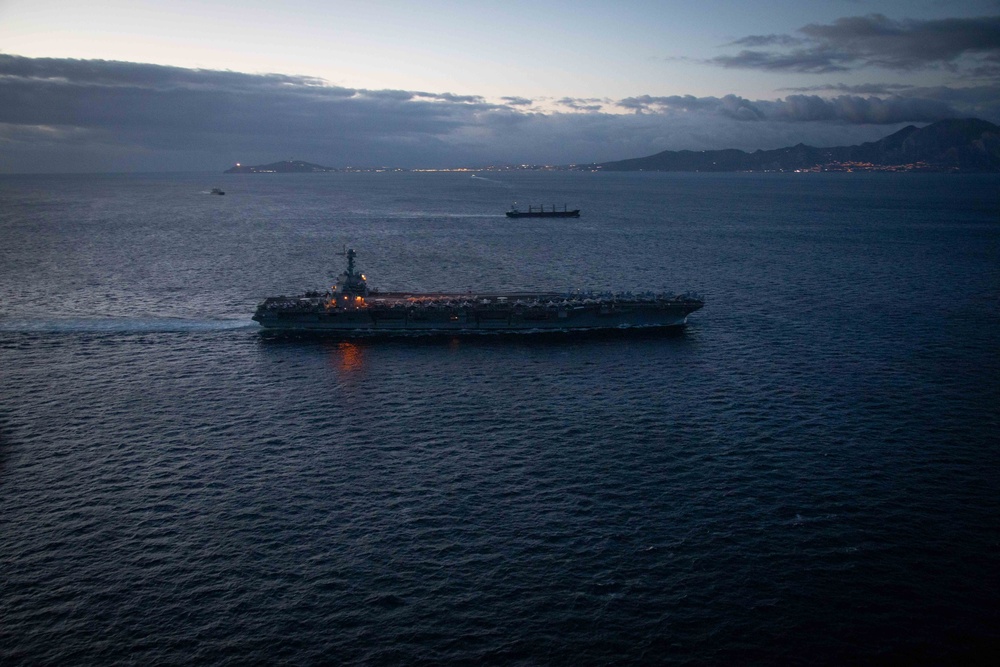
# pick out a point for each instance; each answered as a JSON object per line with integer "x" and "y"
{"x": 809, "y": 473}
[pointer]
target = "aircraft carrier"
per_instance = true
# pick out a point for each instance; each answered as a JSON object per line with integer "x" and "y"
{"x": 350, "y": 307}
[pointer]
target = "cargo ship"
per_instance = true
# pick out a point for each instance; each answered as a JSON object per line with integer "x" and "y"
{"x": 542, "y": 212}
{"x": 351, "y": 308}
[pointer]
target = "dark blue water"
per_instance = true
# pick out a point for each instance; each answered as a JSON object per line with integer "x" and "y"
{"x": 808, "y": 474}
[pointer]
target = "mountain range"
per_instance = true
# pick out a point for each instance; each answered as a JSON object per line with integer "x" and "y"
{"x": 949, "y": 145}
{"x": 966, "y": 145}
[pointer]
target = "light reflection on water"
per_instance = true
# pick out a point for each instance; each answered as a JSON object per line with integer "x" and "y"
{"x": 349, "y": 358}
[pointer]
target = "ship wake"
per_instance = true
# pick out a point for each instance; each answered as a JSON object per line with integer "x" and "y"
{"x": 119, "y": 325}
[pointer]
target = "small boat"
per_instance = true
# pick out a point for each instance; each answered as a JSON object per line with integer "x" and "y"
{"x": 542, "y": 212}
{"x": 217, "y": 191}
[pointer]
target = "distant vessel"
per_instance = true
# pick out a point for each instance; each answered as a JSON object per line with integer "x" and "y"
{"x": 541, "y": 212}
{"x": 351, "y": 308}
{"x": 217, "y": 191}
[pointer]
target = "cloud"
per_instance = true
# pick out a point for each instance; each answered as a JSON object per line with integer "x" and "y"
{"x": 116, "y": 73}
{"x": 958, "y": 44}
{"x": 170, "y": 108}
{"x": 858, "y": 110}
{"x": 768, "y": 40}
{"x": 582, "y": 104}
{"x": 856, "y": 89}
{"x": 729, "y": 106}
{"x": 76, "y": 115}
{"x": 518, "y": 101}
{"x": 852, "y": 109}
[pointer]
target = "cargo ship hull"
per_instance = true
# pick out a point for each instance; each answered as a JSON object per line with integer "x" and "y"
{"x": 544, "y": 214}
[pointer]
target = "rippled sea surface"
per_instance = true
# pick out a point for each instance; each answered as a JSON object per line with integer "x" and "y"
{"x": 808, "y": 474}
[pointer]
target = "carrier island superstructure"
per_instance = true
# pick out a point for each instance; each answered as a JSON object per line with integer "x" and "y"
{"x": 350, "y": 307}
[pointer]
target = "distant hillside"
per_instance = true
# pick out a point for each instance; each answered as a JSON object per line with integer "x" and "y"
{"x": 947, "y": 145}
{"x": 283, "y": 167}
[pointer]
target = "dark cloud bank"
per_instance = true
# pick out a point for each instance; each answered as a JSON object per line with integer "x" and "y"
{"x": 968, "y": 47}
{"x": 87, "y": 115}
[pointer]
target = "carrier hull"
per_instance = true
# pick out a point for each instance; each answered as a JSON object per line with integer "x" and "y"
{"x": 351, "y": 308}
{"x": 471, "y": 314}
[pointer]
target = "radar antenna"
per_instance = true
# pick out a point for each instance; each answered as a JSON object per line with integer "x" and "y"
{"x": 350, "y": 262}
{"x": 350, "y": 255}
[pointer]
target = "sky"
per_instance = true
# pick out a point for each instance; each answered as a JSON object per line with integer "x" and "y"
{"x": 200, "y": 85}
